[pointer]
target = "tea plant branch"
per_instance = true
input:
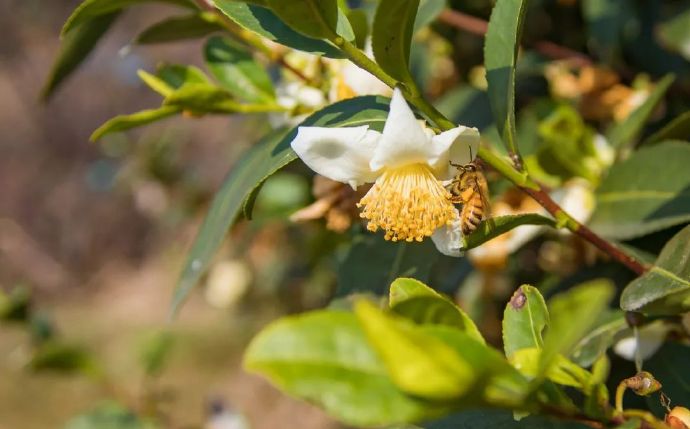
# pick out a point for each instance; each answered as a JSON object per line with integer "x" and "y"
{"x": 520, "y": 179}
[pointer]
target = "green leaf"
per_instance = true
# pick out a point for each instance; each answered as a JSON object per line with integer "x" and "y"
{"x": 392, "y": 36}
{"x": 360, "y": 26}
{"x": 92, "y": 9}
{"x": 418, "y": 302}
{"x": 260, "y": 162}
{"x": 675, "y": 33}
{"x": 524, "y": 320}
{"x": 168, "y": 78}
{"x": 602, "y": 336}
{"x": 665, "y": 288}
{"x": 624, "y": 134}
{"x": 181, "y": 28}
{"x": 562, "y": 371}
{"x": 235, "y": 69}
{"x": 109, "y": 415}
{"x": 320, "y": 19}
{"x": 418, "y": 363}
{"x": 74, "y": 49}
{"x": 15, "y": 306}
{"x": 203, "y": 98}
{"x": 669, "y": 365}
{"x": 323, "y": 357}
{"x": 572, "y": 315}
{"x": 60, "y": 357}
{"x": 265, "y": 23}
{"x": 500, "y": 56}
{"x": 677, "y": 129}
{"x": 155, "y": 352}
{"x": 126, "y": 122}
{"x": 428, "y": 11}
{"x": 466, "y": 105}
{"x": 498, "y": 225}
{"x": 362, "y": 267}
{"x": 645, "y": 193}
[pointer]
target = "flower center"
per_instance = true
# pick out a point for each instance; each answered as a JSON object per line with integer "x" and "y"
{"x": 409, "y": 203}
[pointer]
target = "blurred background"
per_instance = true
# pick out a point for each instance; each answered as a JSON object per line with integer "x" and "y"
{"x": 92, "y": 238}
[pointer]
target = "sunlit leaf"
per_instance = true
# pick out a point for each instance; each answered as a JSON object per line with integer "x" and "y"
{"x": 665, "y": 288}
{"x": 524, "y": 320}
{"x": 324, "y": 357}
{"x": 418, "y": 302}
{"x": 562, "y": 371}
{"x": 133, "y": 120}
{"x": 645, "y": 193}
{"x": 265, "y": 23}
{"x": 417, "y": 363}
{"x": 320, "y": 19}
{"x": 501, "y": 224}
{"x": 500, "y": 56}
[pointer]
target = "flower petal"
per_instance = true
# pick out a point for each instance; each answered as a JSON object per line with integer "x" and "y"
{"x": 454, "y": 146}
{"x": 448, "y": 239}
{"x": 341, "y": 154}
{"x": 403, "y": 140}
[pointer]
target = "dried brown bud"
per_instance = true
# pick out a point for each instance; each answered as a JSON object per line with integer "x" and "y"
{"x": 643, "y": 383}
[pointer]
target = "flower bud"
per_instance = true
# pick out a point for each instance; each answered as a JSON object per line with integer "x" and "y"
{"x": 678, "y": 418}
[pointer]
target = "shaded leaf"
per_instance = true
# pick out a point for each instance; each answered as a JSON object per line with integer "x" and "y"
{"x": 235, "y": 69}
{"x": 500, "y": 55}
{"x": 418, "y": 302}
{"x": 625, "y": 133}
{"x": 252, "y": 169}
{"x": 499, "y": 419}
{"x": 63, "y": 358}
{"x": 665, "y": 288}
{"x": 645, "y": 193}
{"x": 327, "y": 351}
{"x": 572, "y": 315}
{"x": 133, "y": 120}
{"x": 93, "y": 9}
{"x": 675, "y": 33}
{"x": 669, "y": 366}
{"x": 392, "y": 36}
{"x": 501, "y": 224}
{"x": 466, "y": 105}
{"x": 361, "y": 269}
{"x": 417, "y": 363}
{"x": 181, "y": 28}
{"x": 109, "y": 415}
{"x": 428, "y": 11}
{"x": 524, "y": 320}
{"x": 74, "y": 49}
{"x": 602, "y": 336}
{"x": 265, "y": 23}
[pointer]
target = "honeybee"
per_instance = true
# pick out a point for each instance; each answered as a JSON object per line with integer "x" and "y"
{"x": 469, "y": 188}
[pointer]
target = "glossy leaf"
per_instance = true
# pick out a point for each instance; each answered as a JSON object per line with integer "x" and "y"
{"x": 524, "y": 320}
{"x": 320, "y": 19}
{"x": 235, "y": 69}
{"x": 92, "y": 9}
{"x": 420, "y": 303}
{"x": 645, "y": 193}
{"x": 392, "y": 36}
{"x": 602, "y": 336}
{"x": 500, "y": 55}
{"x": 126, "y": 122}
{"x": 181, "y": 28}
{"x": 665, "y": 288}
{"x": 327, "y": 351}
{"x": 74, "y": 49}
{"x": 498, "y": 225}
{"x": 677, "y": 129}
{"x": 572, "y": 315}
{"x": 625, "y": 133}
{"x": 417, "y": 363}
{"x": 562, "y": 371}
{"x": 265, "y": 23}
{"x": 260, "y": 162}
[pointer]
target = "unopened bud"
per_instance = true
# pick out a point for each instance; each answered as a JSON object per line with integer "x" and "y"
{"x": 678, "y": 418}
{"x": 643, "y": 383}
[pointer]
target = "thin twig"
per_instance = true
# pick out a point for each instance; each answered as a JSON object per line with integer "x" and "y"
{"x": 581, "y": 230}
{"x": 479, "y": 27}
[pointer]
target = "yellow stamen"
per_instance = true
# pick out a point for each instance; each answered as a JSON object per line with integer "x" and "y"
{"x": 409, "y": 203}
{"x": 343, "y": 90}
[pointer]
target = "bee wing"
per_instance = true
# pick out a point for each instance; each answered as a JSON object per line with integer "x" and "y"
{"x": 482, "y": 189}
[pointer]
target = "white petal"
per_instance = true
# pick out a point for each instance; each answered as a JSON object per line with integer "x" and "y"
{"x": 459, "y": 146}
{"x": 403, "y": 140}
{"x": 448, "y": 239}
{"x": 650, "y": 337}
{"x": 341, "y": 154}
